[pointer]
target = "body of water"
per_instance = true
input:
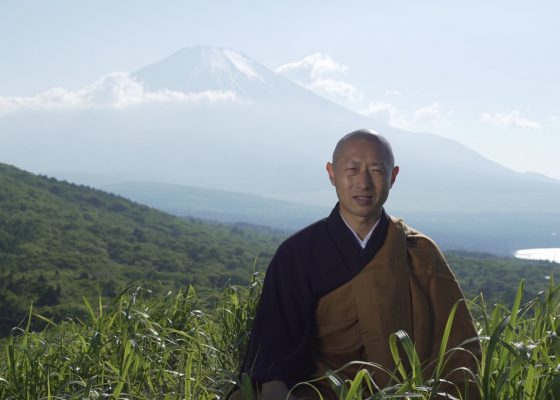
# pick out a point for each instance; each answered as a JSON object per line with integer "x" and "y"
{"x": 550, "y": 254}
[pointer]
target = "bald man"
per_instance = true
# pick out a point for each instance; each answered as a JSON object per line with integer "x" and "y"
{"x": 335, "y": 291}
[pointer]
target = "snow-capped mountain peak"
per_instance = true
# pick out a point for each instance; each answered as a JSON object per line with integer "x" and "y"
{"x": 202, "y": 68}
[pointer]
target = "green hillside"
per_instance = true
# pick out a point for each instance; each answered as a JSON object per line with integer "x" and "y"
{"x": 497, "y": 278}
{"x": 59, "y": 242}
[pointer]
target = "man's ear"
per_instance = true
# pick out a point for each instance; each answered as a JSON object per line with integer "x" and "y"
{"x": 394, "y": 174}
{"x": 330, "y": 171}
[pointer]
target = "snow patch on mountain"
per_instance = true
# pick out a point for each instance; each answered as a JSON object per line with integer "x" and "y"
{"x": 243, "y": 64}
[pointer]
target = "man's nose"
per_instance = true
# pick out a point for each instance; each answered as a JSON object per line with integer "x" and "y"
{"x": 364, "y": 179}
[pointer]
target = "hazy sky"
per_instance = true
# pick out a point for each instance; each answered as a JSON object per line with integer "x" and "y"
{"x": 485, "y": 73}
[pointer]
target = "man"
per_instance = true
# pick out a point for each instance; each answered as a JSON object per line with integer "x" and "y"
{"x": 335, "y": 291}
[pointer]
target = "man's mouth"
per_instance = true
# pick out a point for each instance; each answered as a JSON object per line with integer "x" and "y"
{"x": 363, "y": 200}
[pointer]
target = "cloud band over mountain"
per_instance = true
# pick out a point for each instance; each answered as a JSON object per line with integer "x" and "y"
{"x": 114, "y": 90}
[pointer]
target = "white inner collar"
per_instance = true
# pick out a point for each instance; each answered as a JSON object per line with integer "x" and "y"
{"x": 361, "y": 242}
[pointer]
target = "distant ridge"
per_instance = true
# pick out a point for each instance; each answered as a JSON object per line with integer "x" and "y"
{"x": 220, "y": 205}
{"x": 496, "y": 233}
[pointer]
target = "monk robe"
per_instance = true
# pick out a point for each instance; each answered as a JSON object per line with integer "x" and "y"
{"x": 327, "y": 302}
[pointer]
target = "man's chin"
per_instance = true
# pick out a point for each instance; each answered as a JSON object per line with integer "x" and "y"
{"x": 365, "y": 212}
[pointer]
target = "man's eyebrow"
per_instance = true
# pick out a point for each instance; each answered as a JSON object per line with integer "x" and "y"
{"x": 351, "y": 161}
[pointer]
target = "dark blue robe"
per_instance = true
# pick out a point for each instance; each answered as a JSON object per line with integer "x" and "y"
{"x": 306, "y": 267}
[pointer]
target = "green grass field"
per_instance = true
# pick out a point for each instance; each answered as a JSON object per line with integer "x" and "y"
{"x": 143, "y": 346}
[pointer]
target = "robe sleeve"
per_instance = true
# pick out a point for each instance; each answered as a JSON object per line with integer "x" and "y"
{"x": 279, "y": 345}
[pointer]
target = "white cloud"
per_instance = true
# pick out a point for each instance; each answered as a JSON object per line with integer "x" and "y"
{"x": 386, "y": 112}
{"x": 337, "y": 88}
{"x": 390, "y": 93}
{"x": 316, "y": 66}
{"x": 511, "y": 119}
{"x": 379, "y": 109}
{"x": 314, "y": 73}
{"x": 433, "y": 113}
{"x": 115, "y": 90}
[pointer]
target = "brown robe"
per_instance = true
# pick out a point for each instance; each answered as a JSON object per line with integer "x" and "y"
{"x": 407, "y": 286}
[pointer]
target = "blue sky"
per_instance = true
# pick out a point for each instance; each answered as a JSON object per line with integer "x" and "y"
{"x": 483, "y": 73}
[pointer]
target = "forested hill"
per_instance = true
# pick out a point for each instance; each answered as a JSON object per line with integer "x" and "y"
{"x": 59, "y": 242}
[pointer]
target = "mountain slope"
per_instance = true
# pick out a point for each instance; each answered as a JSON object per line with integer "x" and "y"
{"x": 59, "y": 242}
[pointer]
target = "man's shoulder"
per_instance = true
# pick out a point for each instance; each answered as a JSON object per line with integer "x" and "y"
{"x": 413, "y": 236}
{"x": 305, "y": 237}
{"x": 424, "y": 253}
{"x": 294, "y": 255}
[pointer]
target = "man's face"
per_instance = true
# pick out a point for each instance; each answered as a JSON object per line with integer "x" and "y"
{"x": 362, "y": 177}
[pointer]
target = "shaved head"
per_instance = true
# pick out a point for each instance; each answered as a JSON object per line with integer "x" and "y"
{"x": 362, "y": 171}
{"x": 371, "y": 136}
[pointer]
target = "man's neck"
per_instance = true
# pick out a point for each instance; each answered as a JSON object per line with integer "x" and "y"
{"x": 361, "y": 226}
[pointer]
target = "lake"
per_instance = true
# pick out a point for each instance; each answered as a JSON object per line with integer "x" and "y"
{"x": 550, "y": 254}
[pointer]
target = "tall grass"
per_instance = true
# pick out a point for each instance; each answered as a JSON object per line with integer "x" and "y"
{"x": 138, "y": 347}
{"x": 143, "y": 347}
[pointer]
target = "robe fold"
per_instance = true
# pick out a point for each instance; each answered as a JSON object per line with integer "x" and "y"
{"x": 326, "y": 303}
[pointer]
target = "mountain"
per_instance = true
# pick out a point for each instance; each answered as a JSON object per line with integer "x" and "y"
{"x": 202, "y": 68}
{"x": 214, "y": 118}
